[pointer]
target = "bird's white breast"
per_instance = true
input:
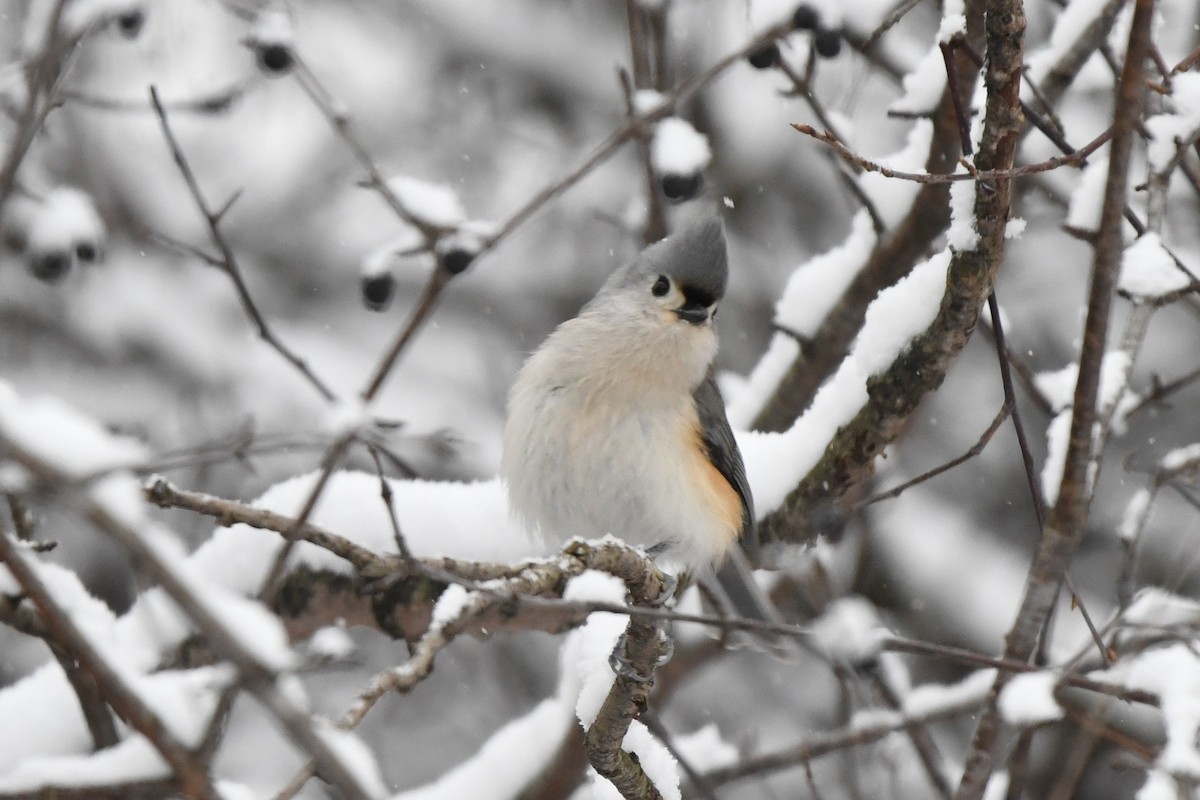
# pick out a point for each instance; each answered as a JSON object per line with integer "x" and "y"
{"x": 599, "y": 442}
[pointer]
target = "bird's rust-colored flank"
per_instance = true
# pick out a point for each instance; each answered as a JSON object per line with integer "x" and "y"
{"x": 723, "y": 499}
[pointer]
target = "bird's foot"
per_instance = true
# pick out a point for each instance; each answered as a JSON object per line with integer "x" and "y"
{"x": 670, "y": 584}
{"x": 619, "y": 661}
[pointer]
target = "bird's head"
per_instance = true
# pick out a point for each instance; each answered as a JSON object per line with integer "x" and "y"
{"x": 680, "y": 279}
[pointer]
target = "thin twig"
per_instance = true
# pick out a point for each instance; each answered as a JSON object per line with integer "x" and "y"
{"x": 898, "y": 13}
{"x": 681, "y": 91}
{"x": 656, "y": 217}
{"x": 1066, "y": 523}
{"x": 339, "y": 119}
{"x": 430, "y": 295}
{"x": 960, "y": 110}
{"x": 217, "y": 102}
{"x": 973, "y": 451}
{"x": 260, "y": 679}
{"x": 823, "y": 744}
{"x": 87, "y": 689}
{"x": 192, "y": 775}
{"x": 229, "y": 261}
{"x": 1161, "y": 391}
{"x": 389, "y": 502}
{"x": 1071, "y": 159}
{"x": 1010, "y": 399}
{"x": 42, "y": 82}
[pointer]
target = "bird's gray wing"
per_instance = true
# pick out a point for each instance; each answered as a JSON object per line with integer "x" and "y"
{"x": 734, "y": 578}
{"x": 723, "y": 450}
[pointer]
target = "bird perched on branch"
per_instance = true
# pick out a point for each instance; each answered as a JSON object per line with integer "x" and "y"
{"x": 615, "y": 424}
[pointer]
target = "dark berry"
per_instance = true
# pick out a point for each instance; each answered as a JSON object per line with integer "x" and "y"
{"x": 764, "y": 57}
{"x": 130, "y": 23}
{"x": 51, "y": 267}
{"x": 456, "y": 260}
{"x": 806, "y": 17}
{"x": 275, "y": 58}
{"x": 87, "y": 252}
{"x": 828, "y": 42}
{"x": 378, "y": 291}
{"x": 681, "y": 187}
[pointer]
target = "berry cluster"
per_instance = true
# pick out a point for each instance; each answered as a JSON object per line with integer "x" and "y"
{"x": 826, "y": 41}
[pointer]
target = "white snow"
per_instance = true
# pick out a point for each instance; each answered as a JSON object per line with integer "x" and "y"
{"x": 775, "y": 463}
{"x": 354, "y": 754}
{"x": 54, "y": 725}
{"x": 389, "y": 256}
{"x": 1158, "y": 608}
{"x": 932, "y": 698}
{"x": 1159, "y": 785}
{"x": 78, "y": 17}
{"x": 14, "y": 478}
{"x": 647, "y": 100}
{"x": 1147, "y": 269}
{"x": 893, "y": 197}
{"x": 1058, "y": 387}
{"x": 744, "y": 403}
{"x": 252, "y": 624}
{"x": 849, "y": 631}
{"x": 133, "y": 759}
{"x": 1015, "y": 228}
{"x": 229, "y": 790}
{"x": 1028, "y": 699}
{"x": 706, "y": 748}
{"x": 185, "y": 700}
{"x": 332, "y": 642}
{"x": 1058, "y": 436}
{"x": 520, "y": 750}
{"x": 962, "y": 235}
{"x": 120, "y": 494}
{"x": 65, "y": 218}
{"x": 273, "y": 27}
{"x": 347, "y": 415}
{"x": 816, "y": 285}
{"x": 678, "y": 149}
{"x": 1083, "y": 213}
{"x": 1135, "y": 515}
{"x": 1072, "y": 20}
{"x": 55, "y": 432}
{"x": 449, "y": 606}
{"x": 954, "y": 21}
{"x": 434, "y": 204}
{"x": 1172, "y": 673}
{"x": 506, "y": 763}
{"x": 997, "y": 786}
{"x": 1183, "y": 124}
{"x": 1180, "y": 457}
{"x": 438, "y": 518}
{"x": 923, "y": 86}
{"x": 587, "y": 654}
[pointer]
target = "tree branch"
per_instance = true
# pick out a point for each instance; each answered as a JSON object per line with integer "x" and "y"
{"x": 1066, "y": 523}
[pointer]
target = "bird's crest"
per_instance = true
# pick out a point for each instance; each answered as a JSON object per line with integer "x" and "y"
{"x": 694, "y": 257}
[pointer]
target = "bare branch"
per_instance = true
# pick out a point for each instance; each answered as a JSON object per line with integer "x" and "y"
{"x": 228, "y": 260}
{"x": 1066, "y": 523}
{"x": 1072, "y": 159}
{"x": 193, "y": 775}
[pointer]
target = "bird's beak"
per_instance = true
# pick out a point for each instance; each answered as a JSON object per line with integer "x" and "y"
{"x": 694, "y": 313}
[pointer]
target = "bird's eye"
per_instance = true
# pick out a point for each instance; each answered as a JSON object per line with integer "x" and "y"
{"x": 661, "y": 286}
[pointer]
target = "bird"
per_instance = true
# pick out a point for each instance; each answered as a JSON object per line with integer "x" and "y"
{"x": 615, "y": 424}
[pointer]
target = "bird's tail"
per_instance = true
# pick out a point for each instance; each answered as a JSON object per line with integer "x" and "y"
{"x": 736, "y": 588}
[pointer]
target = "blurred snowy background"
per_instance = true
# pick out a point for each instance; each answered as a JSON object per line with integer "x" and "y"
{"x": 497, "y": 100}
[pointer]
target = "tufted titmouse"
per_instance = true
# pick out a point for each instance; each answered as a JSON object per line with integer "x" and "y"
{"x": 615, "y": 424}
